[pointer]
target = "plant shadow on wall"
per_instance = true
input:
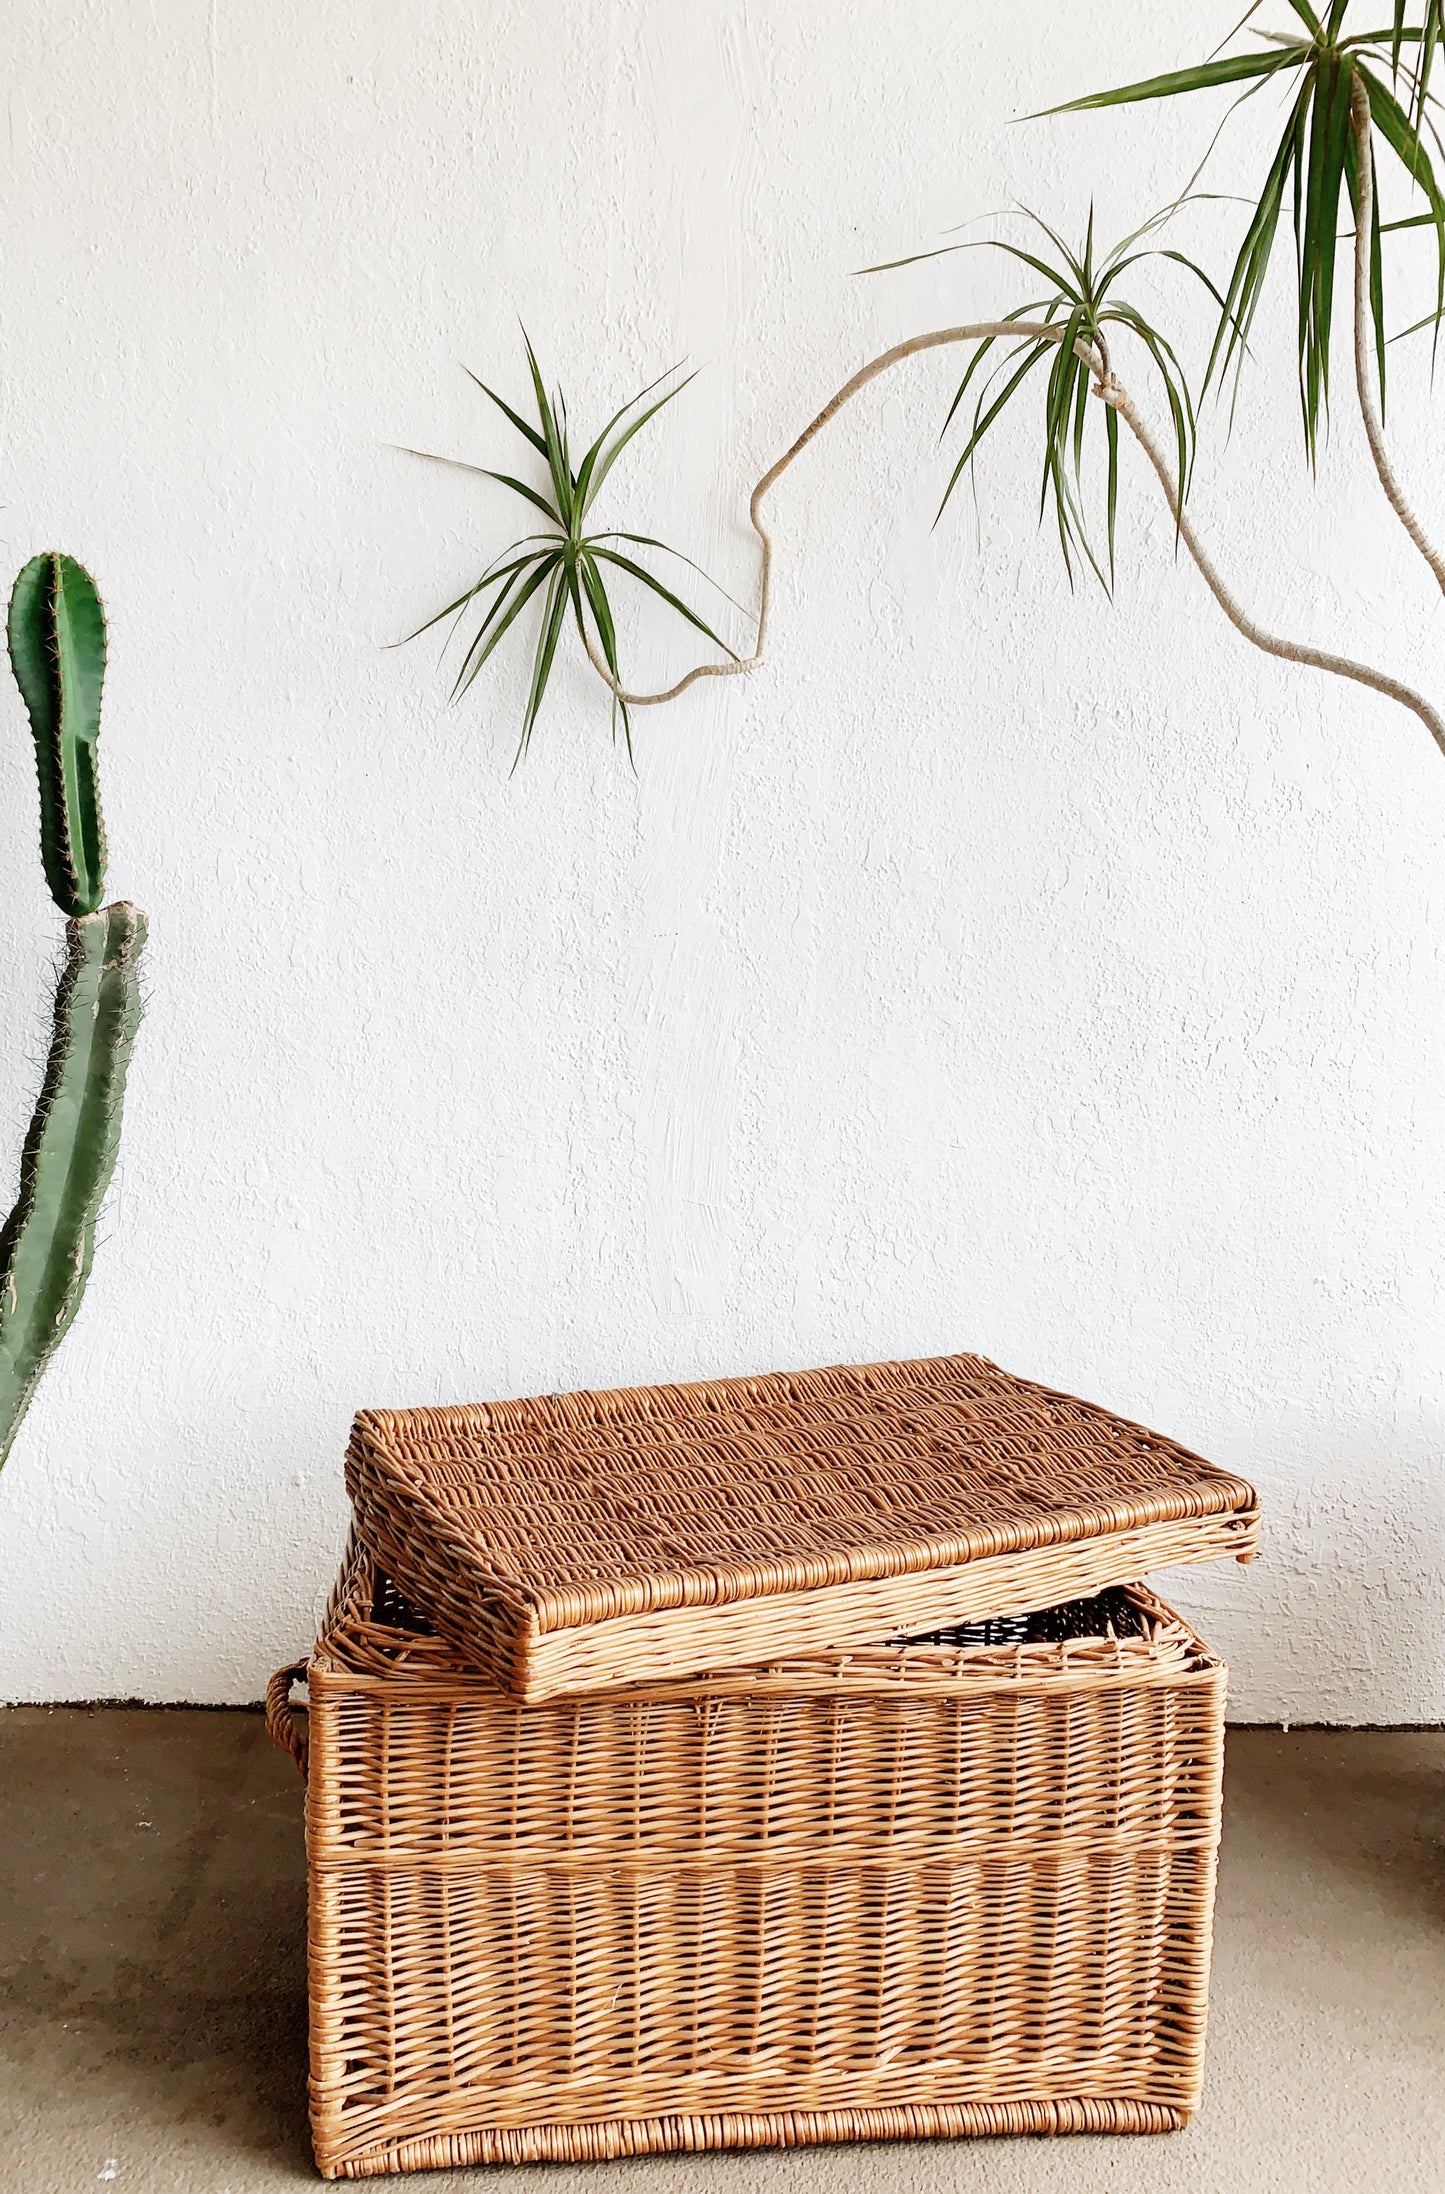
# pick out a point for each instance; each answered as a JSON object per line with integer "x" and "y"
{"x": 1354, "y": 105}
{"x": 56, "y": 634}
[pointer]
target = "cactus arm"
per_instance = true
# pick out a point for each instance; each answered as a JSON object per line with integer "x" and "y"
{"x": 80, "y": 656}
{"x": 47, "y": 1242}
{"x": 56, "y": 633}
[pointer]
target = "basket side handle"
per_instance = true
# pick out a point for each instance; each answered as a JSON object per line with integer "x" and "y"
{"x": 281, "y": 1723}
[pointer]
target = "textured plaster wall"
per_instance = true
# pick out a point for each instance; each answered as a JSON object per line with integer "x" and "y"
{"x": 998, "y": 969}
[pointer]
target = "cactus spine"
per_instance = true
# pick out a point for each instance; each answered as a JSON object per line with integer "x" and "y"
{"x": 56, "y": 634}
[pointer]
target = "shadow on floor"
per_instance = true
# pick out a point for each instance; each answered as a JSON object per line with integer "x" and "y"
{"x": 153, "y": 1913}
{"x": 1363, "y": 1813}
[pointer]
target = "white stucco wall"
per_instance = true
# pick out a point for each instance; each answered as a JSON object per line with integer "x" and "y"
{"x": 997, "y": 969}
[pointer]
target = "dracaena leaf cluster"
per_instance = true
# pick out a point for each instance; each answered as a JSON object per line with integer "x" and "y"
{"x": 568, "y": 564}
{"x": 1316, "y": 65}
{"x": 1314, "y": 167}
{"x": 1083, "y": 300}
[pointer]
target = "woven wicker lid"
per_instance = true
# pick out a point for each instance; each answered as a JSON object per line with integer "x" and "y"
{"x": 577, "y": 1541}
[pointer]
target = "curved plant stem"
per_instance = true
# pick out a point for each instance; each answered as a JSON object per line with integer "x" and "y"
{"x": 1112, "y": 393}
{"x": 1029, "y": 330}
{"x": 1364, "y": 227}
{"x": 1291, "y": 651}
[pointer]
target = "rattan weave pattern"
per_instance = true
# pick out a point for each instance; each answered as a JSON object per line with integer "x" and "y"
{"x": 579, "y": 1541}
{"x": 914, "y": 1889}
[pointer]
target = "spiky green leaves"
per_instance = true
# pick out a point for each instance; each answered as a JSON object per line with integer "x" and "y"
{"x": 56, "y": 633}
{"x": 1315, "y": 164}
{"x": 47, "y": 1243}
{"x": 565, "y": 564}
{"x": 1426, "y": 37}
{"x": 1083, "y": 302}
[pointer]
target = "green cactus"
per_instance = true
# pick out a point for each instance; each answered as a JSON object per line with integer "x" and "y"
{"x": 57, "y": 650}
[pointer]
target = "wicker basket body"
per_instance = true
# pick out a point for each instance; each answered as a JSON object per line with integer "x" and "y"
{"x": 907, "y": 1890}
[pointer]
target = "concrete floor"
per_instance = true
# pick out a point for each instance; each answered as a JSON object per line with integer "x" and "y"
{"x": 153, "y": 2012}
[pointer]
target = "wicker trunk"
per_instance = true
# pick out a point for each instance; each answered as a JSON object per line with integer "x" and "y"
{"x": 904, "y": 1890}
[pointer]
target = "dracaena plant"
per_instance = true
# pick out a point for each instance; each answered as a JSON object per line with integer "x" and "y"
{"x": 1342, "y": 110}
{"x": 1353, "y": 99}
{"x": 1082, "y": 314}
{"x": 568, "y": 564}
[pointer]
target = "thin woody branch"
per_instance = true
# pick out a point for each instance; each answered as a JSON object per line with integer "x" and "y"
{"x": 1116, "y": 396}
{"x": 1030, "y": 330}
{"x": 1290, "y": 651}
